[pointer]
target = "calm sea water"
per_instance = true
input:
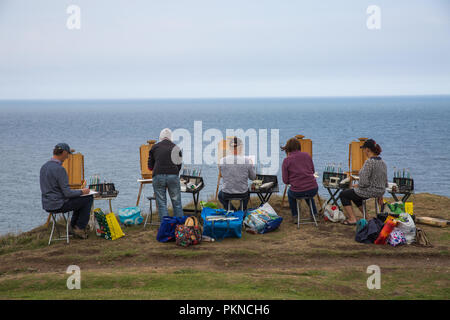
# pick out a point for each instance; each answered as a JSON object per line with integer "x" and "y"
{"x": 413, "y": 132}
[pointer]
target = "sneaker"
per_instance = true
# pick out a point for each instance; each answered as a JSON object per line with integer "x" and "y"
{"x": 79, "y": 233}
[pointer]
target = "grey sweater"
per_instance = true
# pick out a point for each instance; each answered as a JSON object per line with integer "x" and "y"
{"x": 236, "y": 170}
{"x": 55, "y": 185}
{"x": 373, "y": 179}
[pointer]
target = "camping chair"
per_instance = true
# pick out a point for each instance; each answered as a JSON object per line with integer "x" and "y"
{"x": 309, "y": 201}
{"x": 55, "y": 225}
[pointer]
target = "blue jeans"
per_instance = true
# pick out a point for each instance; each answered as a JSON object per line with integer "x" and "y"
{"x": 292, "y": 195}
{"x": 171, "y": 183}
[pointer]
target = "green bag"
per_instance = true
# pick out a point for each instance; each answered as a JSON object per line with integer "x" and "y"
{"x": 397, "y": 207}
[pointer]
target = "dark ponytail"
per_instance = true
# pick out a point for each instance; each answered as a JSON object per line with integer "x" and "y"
{"x": 372, "y": 146}
{"x": 375, "y": 148}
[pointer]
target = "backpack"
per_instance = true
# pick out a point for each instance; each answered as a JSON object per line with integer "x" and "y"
{"x": 188, "y": 234}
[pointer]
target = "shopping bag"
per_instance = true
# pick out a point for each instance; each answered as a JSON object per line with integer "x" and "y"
{"x": 130, "y": 216}
{"x": 166, "y": 231}
{"x": 408, "y": 227}
{"x": 188, "y": 234}
{"x": 106, "y": 225}
{"x": 333, "y": 214}
{"x": 386, "y": 231}
{"x": 220, "y": 224}
{"x": 397, "y": 237}
{"x": 263, "y": 219}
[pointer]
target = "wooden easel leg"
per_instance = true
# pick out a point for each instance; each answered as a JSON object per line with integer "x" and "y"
{"x": 320, "y": 203}
{"x": 139, "y": 194}
{"x": 48, "y": 219}
{"x": 217, "y": 188}
{"x": 284, "y": 197}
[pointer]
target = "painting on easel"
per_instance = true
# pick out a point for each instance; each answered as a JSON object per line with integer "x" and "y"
{"x": 74, "y": 166}
{"x": 146, "y": 173}
{"x": 356, "y": 156}
{"x": 143, "y": 153}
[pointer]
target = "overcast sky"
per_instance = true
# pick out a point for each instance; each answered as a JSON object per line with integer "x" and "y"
{"x": 222, "y": 48}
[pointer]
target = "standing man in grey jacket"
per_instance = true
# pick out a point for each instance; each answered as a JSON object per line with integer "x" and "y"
{"x": 57, "y": 195}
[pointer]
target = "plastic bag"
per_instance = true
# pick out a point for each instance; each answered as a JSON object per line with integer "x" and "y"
{"x": 333, "y": 213}
{"x": 408, "y": 228}
{"x": 263, "y": 219}
{"x": 130, "y": 216}
{"x": 396, "y": 237}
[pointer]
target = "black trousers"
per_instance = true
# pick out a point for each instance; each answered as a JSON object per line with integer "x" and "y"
{"x": 223, "y": 198}
{"x": 349, "y": 195}
{"x": 81, "y": 207}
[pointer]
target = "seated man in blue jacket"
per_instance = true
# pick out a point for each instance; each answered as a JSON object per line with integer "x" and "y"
{"x": 57, "y": 195}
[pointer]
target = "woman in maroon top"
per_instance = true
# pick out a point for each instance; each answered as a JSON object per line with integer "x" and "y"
{"x": 298, "y": 172}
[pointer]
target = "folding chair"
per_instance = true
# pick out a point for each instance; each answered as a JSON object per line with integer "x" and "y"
{"x": 313, "y": 217}
{"x": 365, "y": 209}
{"x": 152, "y": 198}
{"x": 55, "y": 225}
{"x": 241, "y": 203}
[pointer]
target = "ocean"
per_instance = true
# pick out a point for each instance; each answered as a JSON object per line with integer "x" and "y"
{"x": 413, "y": 132}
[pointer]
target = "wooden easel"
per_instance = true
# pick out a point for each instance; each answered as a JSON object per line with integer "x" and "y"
{"x": 356, "y": 158}
{"x": 74, "y": 166}
{"x": 145, "y": 171}
{"x": 306, "y": 146}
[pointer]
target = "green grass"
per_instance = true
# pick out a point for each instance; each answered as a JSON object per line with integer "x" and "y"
{"x": 189, "y": 283}
{"x": 26, "y": 241}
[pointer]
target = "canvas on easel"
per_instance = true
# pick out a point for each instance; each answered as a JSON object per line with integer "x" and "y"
{"x": 146, "y": 173}
{"x": 143, "y": 153}
{"x": 305, "y": 144}
{"x": 74, "y": 166}
{"x": 356, "y": 156}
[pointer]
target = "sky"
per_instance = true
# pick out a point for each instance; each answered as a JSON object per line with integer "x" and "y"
{"x": 132, "y": 49}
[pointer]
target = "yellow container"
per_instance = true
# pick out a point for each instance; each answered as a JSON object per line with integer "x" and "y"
{"x": 409, "y": 207}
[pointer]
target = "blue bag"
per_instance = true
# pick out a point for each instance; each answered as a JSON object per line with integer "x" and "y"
{"x": 166, "y": 231}
{"x": 130, "y": 216}
{"x": 263, "y": 219}
{"x": 219, "y": 224}
{"x": 272, "y": 225}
